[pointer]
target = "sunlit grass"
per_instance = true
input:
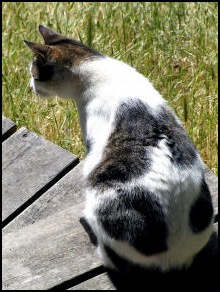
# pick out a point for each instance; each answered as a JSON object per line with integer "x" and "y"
{"x": 174, "y": 44}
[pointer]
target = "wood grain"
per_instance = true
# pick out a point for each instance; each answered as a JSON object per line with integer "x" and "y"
{"x": 30, "y": 164}
{"x": 47, "y": 239}
{"x": 67, "y": 192}
{"x": 47, "y": 253}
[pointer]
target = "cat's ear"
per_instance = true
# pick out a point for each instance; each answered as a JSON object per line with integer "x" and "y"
{"x": 49, "y": 35}
{"x": 42, "y": 50}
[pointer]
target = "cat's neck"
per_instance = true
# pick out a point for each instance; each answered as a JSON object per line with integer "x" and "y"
{"x": 96, "y": 116}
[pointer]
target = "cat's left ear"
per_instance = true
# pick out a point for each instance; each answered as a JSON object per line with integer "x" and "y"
{"x": 42, "y": 50}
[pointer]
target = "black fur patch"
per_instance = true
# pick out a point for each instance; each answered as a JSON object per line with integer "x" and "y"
{"x": 201, "y": 212}
{"x": 137, "y": 217}
{"x": 137, "y": 130}
{"x": 40, "y": 70}
{"x": 183, "y": 152}
{"x": 127, "y": 154}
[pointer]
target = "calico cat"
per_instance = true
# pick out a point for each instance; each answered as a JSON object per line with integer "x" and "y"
{"x": 147, "y": 200}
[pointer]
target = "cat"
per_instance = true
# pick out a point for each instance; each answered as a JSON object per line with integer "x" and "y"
{"x": 147, "y": 200}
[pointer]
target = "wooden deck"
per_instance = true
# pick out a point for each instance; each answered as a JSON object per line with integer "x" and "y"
{"x": 44, "y": 245}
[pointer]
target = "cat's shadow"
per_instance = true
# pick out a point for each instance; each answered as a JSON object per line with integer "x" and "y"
{"x": 202, "y": 275}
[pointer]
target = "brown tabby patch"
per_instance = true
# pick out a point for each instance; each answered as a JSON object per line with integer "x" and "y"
{"x": 62, "y": 50}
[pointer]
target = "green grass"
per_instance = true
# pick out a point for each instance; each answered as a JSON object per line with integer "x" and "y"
{"x": 174, "y": 44}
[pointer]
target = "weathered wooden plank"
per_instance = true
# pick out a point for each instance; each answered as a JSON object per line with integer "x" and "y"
{"x": 100, "y": 282}
{"x": 47, "y": 239}
{"x": 30, "y": 165}
{"x": 68, "y": 191}
{"x": 8, "y": 128}
{"x": 47, "y": 253}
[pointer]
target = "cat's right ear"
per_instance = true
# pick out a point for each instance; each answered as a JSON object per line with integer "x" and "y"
{"x": 42, "y": 50}
{"x": 49, "y": 35}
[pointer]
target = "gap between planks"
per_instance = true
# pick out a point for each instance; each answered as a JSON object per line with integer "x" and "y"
{"x": 31, "y": 165}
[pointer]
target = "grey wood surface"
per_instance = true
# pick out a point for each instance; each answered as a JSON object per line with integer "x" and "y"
{"x": 8, "y": 128}
{"x": 30, "y": 164}
{"x": 67, "y": 192}
{"x": 100, "y": 282}
{"x": 47, "y": 239}
{"x": 48, "y": 252}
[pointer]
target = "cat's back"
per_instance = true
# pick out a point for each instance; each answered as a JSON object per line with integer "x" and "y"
{"x": 147, "y": 190}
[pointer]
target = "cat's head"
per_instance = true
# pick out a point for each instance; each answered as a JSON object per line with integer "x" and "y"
{"x": 56, "y": 62}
